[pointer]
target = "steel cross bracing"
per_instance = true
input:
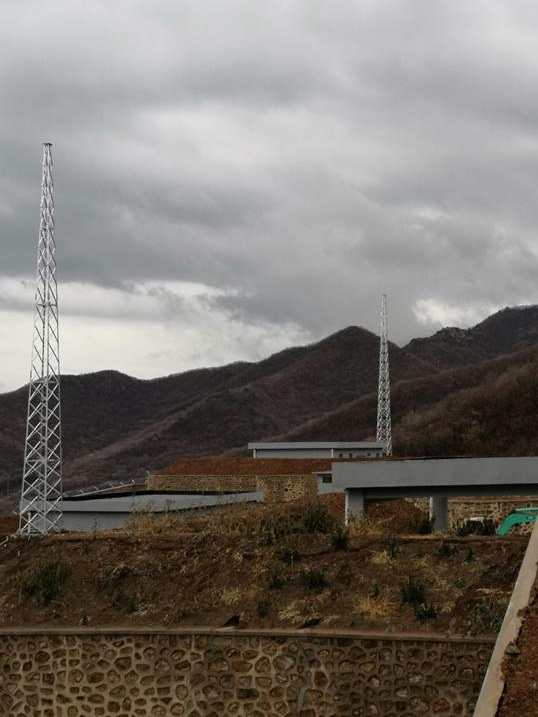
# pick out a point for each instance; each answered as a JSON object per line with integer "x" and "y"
{"x": 40, "y": 509}
{"x": 384, "y": 427}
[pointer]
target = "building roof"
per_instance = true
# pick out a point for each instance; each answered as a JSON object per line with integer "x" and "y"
{"x": 157, "y": 502}
{"x": 293, "y": 445}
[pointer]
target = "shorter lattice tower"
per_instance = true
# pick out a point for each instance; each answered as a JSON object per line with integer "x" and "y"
{"x": 40, "y": 508}
{"x": 384, "y": 425}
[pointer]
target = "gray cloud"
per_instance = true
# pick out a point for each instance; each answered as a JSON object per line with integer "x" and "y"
{"x": 298, "y": 157}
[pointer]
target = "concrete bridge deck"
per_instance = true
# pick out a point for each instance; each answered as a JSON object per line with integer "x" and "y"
{"x": 438, "y": 478}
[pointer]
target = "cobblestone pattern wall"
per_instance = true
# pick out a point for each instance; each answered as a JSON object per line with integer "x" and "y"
{"x": 215, "y": 675}
{"x": 459, "y": 509}
{"x": 275, "y": 488}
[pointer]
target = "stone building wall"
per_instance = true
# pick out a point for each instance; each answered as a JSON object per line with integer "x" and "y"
{"x": 215, "y": 673}
{"x": 275, "y": 488}
{"x": 496, "y": 508}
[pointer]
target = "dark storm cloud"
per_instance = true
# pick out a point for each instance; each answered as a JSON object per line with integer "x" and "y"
{"x": 300, "y": 157}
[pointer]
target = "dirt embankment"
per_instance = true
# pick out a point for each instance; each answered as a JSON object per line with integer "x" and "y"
{"x": 291, "y": 567}
{"x": 8, "y": 524}
{"x": 521, "y": 668}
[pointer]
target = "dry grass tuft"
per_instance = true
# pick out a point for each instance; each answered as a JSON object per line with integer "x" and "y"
{"x": 366, "y": 527}
{"x": 381, "y": 557}
{"x": 495, "y": 595}
{"x": 374, "y": 608}
{"x": 230, "y": 596}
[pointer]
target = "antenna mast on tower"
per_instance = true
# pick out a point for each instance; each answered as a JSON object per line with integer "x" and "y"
{"x": 384, "y": 426}
{"x": 40, "y": 510}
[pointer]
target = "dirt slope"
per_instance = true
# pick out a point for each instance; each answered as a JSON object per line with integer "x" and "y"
{"x": 260, "y": 567}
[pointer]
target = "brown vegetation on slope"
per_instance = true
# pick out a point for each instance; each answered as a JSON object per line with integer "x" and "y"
{"x": 229, "y": 466}
{"x": 260, "y": 566}
{"x": 497, "y": 417}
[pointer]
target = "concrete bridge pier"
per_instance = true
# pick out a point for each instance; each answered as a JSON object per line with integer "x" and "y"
{"x": 439, "y": 511}
{"x": 354, "y": 504}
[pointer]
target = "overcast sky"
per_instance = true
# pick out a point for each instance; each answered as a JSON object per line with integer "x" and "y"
{"x": 237, "y": 176}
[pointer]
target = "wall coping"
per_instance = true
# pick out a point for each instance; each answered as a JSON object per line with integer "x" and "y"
{"x": 261, "y": 632}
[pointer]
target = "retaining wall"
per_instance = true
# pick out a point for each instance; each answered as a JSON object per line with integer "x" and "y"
{"x": 214, "y": 673}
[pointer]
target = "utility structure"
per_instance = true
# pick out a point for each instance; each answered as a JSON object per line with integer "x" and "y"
{"x": 40, "y": 506}
{"x": 384, "y": 426}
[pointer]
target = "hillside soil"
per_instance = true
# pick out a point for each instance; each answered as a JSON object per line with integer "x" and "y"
{"x": 262, "y": 567}
{"x": 521, "y": 669}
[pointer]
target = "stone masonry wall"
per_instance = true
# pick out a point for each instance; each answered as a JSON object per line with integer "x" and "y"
{"x": 460, "y": 509}
{"x": 215, "y": 673}
{"x": 275, "y": 488}
{"x": 495, "y": 508}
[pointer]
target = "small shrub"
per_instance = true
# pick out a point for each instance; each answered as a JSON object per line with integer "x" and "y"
{"x": 315, "y": 579}
{"x": 485, "y": 620}
{"x": 274, "y": 528}
{"x": 123, "y": 601}
{"x": 375, "y": 591}
{"x": 276, "y": 580}
{"x": 461, "y": 583}
{"x": 290, "y": 556}
{"x": 446, "y": 551}
{"x": 424, "y": 612}
{"x": 392, "y": 549}
{"x": 46, "y": 582}
{"x": 317, "y": 519}
{"x": 114, "y": 590}
{"x": 470, "y": 557}
{"x": 180, "y": 614}
{"x": 263, "y": 607}
{"x": 413, "y": 592}
{"x": 340, "y": 538}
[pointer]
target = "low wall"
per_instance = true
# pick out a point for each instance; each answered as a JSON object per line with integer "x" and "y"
{"x": 211, "y": 673}
{"x": 275, "y": 488}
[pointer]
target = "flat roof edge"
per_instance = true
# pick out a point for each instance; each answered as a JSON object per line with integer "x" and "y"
{"x": 316, "y": 444}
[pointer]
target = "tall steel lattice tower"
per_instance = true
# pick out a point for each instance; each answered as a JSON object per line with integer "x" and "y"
{"x": 40, "y": 509}
{"x": 384, "y": 425}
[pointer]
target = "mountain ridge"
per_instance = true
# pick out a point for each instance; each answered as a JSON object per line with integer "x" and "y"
{"x": 117, "y": 427}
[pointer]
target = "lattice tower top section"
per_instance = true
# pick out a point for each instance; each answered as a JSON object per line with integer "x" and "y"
{"x": 384, "y": 425}
{"x": 40, "y": 509}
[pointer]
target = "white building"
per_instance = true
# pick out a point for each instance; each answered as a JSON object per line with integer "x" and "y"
{"x": 317, "y": 449}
